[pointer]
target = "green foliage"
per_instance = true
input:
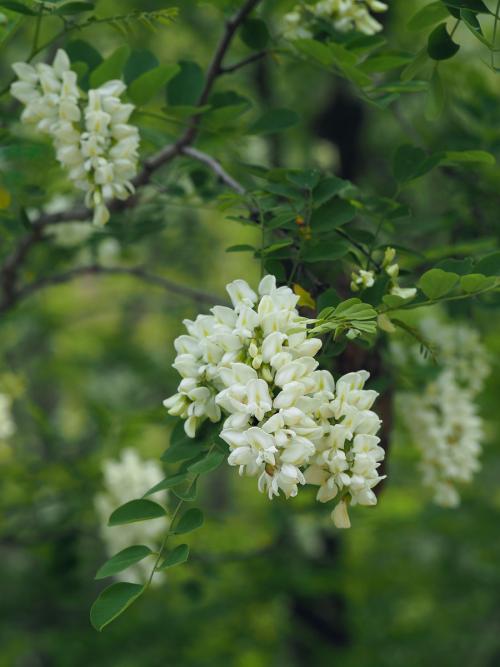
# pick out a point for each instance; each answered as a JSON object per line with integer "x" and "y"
{"x": 18, "y": 7}
{"x": 177, "y": 556}
{"x": 111, "y": 67}
{"x": 185, "y": 87}
{"x": 88, "y": 362}
{"x": 189, "y": 521}
{"x": 436, "y": 283}
{"x": 136, "y": 510}
{"x": 255, "y": 34}
{"x": 275, "y": 120}
{"x": 440, "y": 45}
{"x": 112, "y": 602}
{"x": 428, "y": 16}
{"x": 350, "y": 315}
{"x": 147, "y": 85}
{"x": 122, "y": 560}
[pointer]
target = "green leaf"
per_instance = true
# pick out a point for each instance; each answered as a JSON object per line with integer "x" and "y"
{"x": 17, "y": 7}
{"x": 461, "y": 266}
{"x": 411, "y": 162}
{"x": 112, "y": 602}
{"x": 276, "y": 246}
{"x": 428, "y": 16}
{"x": 458, "y": 157}
{"x": 167, "y": 483}
{"x": 328, "y": 188}
{"x": 325, "y": 251}
{"x": 328, "y": 298}
{"x": 179, "y": 435}
{"x": 316, "y": 50}
{"x": 74, "y": 8}
{"x": 440, "y": 45}
{"x": 306, "y": 179}
{"x": 139, "y": 62}
{"x": 275, "y": 120}
{"x": 436, "y": 98}
{"x": 386, "y": 62}
{"x": 472, "y": 23}
{"x": 136, "y": 510}
{"x": 489, "y": 265}
{"x": 436, "y": 283}
{"x": 476, "y": 282}
{"x": 177, "y": 556}
{"x": 476, "y": 6}
{"x": 185, "y": 88}
{"x": 122, "y": 560}
{"x": 255, "y": 34}
{"x": 209, "y": 462}
{"x": 189, "y": 521}
{"x": 81, "y": 51}
{"x": 110, "y": 68}
{"x": 394, "y": 301}
{"x": 147, "y": 85}
{"x": 183, "y": 451}
{"x": 346, "y": 62}
{"x": 332, "y": 215}
{"x": 413, "y": 68}
{"x": 241, "y": 247}
{"x": 188, "y": 494}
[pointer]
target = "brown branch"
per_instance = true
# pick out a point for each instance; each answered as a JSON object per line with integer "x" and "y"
{"x": 10, "y": 272}
{"x": 254, "y": 57}
{"x": 139, "y": 272}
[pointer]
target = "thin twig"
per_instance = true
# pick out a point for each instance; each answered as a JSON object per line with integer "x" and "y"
{"x": 228, "y": 69}
{"x": 216, "y": 167}
{"x": 136, "y": 272}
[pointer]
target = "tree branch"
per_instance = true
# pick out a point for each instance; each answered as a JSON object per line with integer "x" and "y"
{"x": 216, "y": 167}
{"x": 228, "y": 69}
{"x": 139, "y": 272}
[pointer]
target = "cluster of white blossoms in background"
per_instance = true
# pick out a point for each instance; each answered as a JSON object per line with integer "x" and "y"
{"x": 345, "y": 15}
{"x": 443, "y": 417}
{"x": 125, "y": 479}
{"x": 286, "y": 422}
{"x": 92, "y": 137}
{"x": 447, "y": 430}
{"x": 7, "y": 424}
{"x": 363, "y": 279}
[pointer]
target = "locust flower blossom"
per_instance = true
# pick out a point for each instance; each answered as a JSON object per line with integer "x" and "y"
{"x": 442, "y": 417}
{"x": 92, "y": 137}
{"x": 344, "y": 15}
{"x": 285, "y": 420}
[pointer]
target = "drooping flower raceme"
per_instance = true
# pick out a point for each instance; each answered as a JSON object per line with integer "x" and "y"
{"x": 286, "y": 422}
{"x": 447, "y": 429}
{"x": 92, "y": 137}
{"x": 442, "y": 417}
{"x": 345, "y": 15}
{"x": 127, "y": 478}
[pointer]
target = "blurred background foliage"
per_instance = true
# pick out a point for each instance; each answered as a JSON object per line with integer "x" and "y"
{"x": 87, "y": 365}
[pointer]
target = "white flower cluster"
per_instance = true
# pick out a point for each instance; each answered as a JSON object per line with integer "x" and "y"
{"x": 447, "y": 429}
{"x": 443, "y": 418}
{"x": 345, "y": 15}
{"x": 127, "y": 478}
{"x": 288, "y": 423}
{"x": 94, "y": 142}
{"x": 7, "y": 424}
